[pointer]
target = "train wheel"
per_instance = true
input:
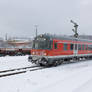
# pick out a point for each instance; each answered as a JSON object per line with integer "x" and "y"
{"x": 44, "y": 62}
{"x": 60, "y": 62}
{"x": 56, "y": 63}
{"x": 29, "y": 58}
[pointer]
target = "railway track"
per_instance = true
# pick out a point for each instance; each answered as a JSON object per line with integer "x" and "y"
{"x": 16, "y": 71}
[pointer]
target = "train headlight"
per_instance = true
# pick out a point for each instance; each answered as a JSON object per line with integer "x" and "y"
{"x": 45, "y": 54}
{"x": 33, "y": 53}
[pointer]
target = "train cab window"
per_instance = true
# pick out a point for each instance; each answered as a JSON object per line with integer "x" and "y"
{"x": 71, "y": 46}
{"x": 55, "y": 45}
{"x": 65, "y": 46}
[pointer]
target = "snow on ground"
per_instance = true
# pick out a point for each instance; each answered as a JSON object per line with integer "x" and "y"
{"x": 10, "y": 62}
{"x": 74, "y": 77}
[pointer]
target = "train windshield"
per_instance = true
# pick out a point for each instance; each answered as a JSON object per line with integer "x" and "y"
{"x": 42, "y": 44}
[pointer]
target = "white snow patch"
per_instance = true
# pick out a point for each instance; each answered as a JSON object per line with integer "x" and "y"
{"x": 74, "y": 77}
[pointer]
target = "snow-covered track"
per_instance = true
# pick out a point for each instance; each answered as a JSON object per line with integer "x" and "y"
{"x": 9, "y": 70}
{"x": 19, "y": 71}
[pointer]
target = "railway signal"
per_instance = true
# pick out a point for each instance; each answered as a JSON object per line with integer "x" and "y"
{"x": 75, "y": 29}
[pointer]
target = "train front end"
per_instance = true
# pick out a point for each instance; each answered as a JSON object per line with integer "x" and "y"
{"x": 40, "y": 50}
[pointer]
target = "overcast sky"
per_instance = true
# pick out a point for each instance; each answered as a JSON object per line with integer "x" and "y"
{"x": 18, "y": 17}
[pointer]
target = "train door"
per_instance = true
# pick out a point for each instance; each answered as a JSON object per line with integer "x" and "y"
{"x": 75, "y": 49}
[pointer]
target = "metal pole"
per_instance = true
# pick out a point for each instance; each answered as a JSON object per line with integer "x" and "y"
{"x": 36, "y": 30}
{"x": 6, "y": 37}
{"x": 76, "y": 36}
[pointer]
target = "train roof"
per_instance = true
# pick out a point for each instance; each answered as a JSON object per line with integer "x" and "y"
{"x": 63, "y": 37}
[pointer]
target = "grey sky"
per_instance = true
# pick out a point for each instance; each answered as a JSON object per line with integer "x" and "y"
{"x": 18, "y": 17}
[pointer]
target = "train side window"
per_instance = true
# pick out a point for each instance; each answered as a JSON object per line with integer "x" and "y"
{"x": 79, "y": 47}
{"x": 86, "y": 47}
{"x": 71, "y": 46}
{"x": 82, "y": 47}
{"x": 55, "y": 45}
{"x": 65, "y": 46}
{"x": 91, "y": 47}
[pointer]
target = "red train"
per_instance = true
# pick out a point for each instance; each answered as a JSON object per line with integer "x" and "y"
{"x": 53, "y": 50}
